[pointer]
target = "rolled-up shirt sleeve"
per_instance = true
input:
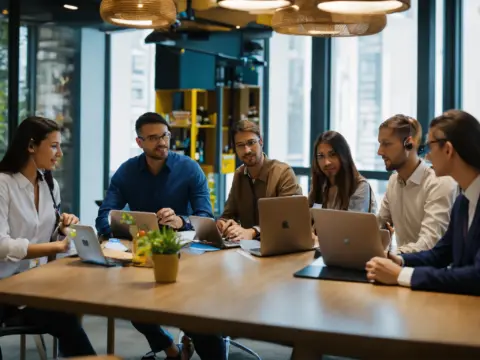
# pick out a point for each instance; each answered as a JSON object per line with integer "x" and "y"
{"x": 10, "y": 249}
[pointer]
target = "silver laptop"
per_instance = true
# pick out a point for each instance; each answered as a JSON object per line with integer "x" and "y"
{"x": 144, "y": 221}
{"x": 206, "y": 232}
{"x": 88, "y": 247}
{"x": 348, "y": 239}
{"x": 285, "y": 226}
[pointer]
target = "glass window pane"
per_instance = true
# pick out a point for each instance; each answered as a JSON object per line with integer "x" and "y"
{"x": 373, "y": 78}
{"x": 471, "y": 71}
{"x": 3, "y": 86}
{"x": 290, "y": 72}
{"x": 132, "y": 91}
{"x": 56, "y": 53}
{"x": 303, "y": 181}
{"x": 439, "y": 24}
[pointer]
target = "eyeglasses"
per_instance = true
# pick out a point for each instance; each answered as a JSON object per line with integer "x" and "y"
{"x": 426, "y": 148}
{"x": 248, "y": 143}
{"x": 157, "y": 138}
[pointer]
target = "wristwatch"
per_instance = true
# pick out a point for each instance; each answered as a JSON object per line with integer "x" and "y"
{"x": 257, "y": 232}
{"x": 186, "y": 222}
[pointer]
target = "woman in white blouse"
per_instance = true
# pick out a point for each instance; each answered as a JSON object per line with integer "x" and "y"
{"x": 31, "y": 226}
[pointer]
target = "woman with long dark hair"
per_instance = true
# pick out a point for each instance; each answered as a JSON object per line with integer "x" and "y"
{"x": 31, "y": 226}
{"x": 336, "y": 182}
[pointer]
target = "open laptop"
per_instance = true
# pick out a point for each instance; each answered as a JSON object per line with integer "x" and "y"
{"x": 349, "y": 239}
{"x": 89, "y": 249}
{"x": 206, "y": 232}
{"x": 285, "y": 226}
{"x": 144, "y": 221}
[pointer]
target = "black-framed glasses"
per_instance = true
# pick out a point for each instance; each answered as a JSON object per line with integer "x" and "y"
{"x": 156, "y": 138}
{"x": 248, "y": 143}
{"x": 426, "y": 147}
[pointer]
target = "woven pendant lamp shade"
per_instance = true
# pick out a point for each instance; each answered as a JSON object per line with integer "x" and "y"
{"x": 139, "y": 14}
{"x": 364, "y": 6}
{"x": 304, "y": 18}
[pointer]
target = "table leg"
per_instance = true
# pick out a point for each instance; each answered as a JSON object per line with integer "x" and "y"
{"x": 110, "y": 336}
{"x": 304, "y": 353}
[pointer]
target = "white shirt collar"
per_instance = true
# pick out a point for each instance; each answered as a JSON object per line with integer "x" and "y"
{"x": 21, "y": 180}
{"x": 472, "y": 193}
{"x": 418, "y": 174}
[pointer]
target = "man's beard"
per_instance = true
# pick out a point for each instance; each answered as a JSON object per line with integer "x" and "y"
{"x": 395, "y": 165}
{"x": 250, "y": 160}
{"x": 153, "y": 154}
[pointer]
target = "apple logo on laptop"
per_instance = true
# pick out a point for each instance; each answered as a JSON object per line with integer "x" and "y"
{"x": 85, "y": 242}
{"x": 285, "y": 225}
{"x": 346, "y": 241}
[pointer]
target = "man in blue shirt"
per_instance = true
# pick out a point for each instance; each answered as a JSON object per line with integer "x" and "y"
{"x": 171, "y": 185}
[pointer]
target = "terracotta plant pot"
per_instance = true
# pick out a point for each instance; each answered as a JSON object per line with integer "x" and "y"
{"x": 165, "y": 267}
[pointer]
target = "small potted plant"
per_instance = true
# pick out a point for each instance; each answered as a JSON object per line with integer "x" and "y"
{"x": 163, "y": 246}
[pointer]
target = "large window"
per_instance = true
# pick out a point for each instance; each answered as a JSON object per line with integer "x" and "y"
{"x": 56, "y": 97}
{"x": 132, "y": 91}
{"x": 373, "y": 78}
{"x": 439, "y": 24}
{"x": 3, "y": 86}
{"x": 471, "y": 53}
{"x": 290, "y": 72}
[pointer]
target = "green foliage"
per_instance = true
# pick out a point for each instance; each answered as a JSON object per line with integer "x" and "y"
{"x": 164, "y": 241}
{"x": 127, "y": 219}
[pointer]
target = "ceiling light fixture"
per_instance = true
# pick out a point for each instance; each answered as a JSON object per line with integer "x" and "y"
{"x": 139, "y": 14}
{"x": 304, "y": 18}
{"x": 359, "y": 7}
{"x": 70, "y": 7}
{"x": 253, "y": 5}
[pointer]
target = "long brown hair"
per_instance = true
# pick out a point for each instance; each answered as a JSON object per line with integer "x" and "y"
{"x": 346, "y": 179}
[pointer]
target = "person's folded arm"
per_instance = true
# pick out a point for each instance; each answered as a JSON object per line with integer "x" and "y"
{"x": 360, "y": 200}
{"x": 16, "y": 249}
{"x": 441, "y": 195}
{"x": 456, "y": 280}
{"x": 440, "y": 256}
{"x": 114, "y": 200}
{"x": 287, "y": 184}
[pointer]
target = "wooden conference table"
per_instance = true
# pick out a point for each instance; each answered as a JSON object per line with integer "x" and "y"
{"x": 236, "y": 294}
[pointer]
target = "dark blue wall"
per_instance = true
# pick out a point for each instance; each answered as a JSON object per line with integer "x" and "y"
{"x": 188, "y": 70}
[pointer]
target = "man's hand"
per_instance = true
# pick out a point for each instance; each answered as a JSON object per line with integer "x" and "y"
{"x": 383, "y": 270}
{"x": 237, "y": 233}
{"x": 395, "y": 258}
{"x": 66, "y": 220}
{"x": 223, "y": 225}
{"x": 167, "y": 216}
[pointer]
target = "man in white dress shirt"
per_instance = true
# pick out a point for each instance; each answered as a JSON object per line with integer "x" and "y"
{"x": 417, "y": 203}
{"x": 453, "y": 264}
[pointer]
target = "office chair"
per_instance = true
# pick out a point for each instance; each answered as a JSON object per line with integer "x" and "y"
{"x": 23, "y": 331}
{"x": 229, "y": 342}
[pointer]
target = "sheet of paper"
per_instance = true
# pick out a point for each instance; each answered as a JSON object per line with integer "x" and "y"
{"x": 249, "y": 244}
{"x": 115, "y": 244}
{"x": 317, "y": 206}
{"x": 186, "y": 236}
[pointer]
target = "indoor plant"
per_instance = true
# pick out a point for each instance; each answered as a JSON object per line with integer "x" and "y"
{"x": 163, "y": 246}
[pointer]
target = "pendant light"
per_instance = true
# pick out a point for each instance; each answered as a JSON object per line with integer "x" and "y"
{"x": 304, "y": 18}
{"x": 253, "y": 5}
{"x": 139, "y": 14}
{"x": 358, "y": 7}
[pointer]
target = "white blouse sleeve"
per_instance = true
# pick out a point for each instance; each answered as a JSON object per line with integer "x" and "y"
{"x": 10, "y": 249}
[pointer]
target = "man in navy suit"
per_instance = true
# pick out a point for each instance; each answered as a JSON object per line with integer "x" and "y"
{"x": 453, "y": 265}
